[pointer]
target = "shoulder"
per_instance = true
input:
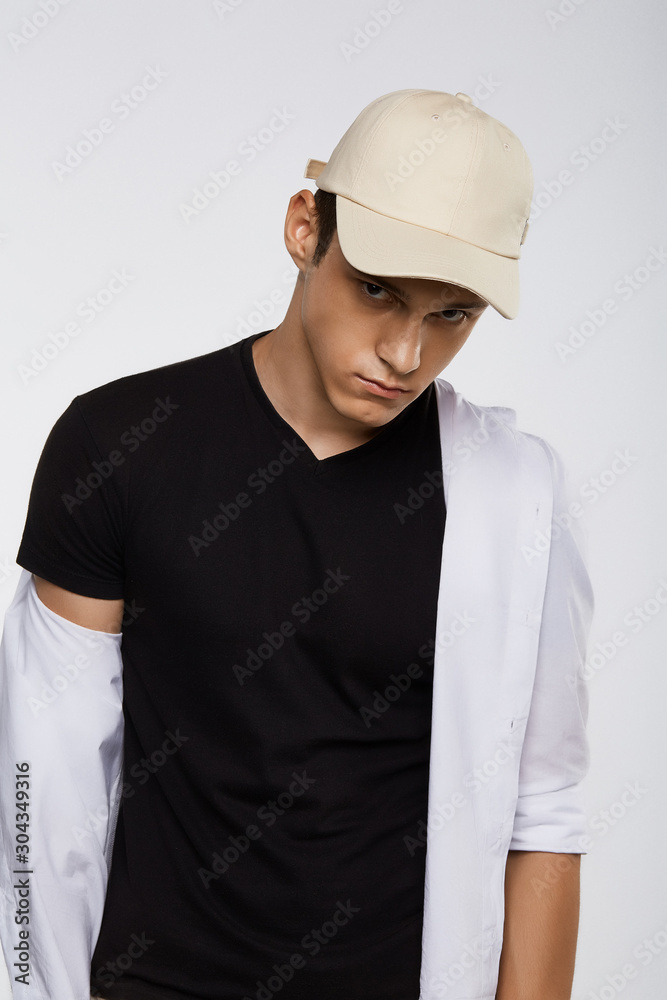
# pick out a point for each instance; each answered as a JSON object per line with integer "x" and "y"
{"x": 490, "y": 434}
{"x": 453, "y": 405}
{"x": 458, "y": 411}
{"x": 191, "y": 373}
{"x": 194, "y": 389}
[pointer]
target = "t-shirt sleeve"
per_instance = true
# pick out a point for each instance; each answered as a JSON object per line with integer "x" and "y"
{"x": 74, "y": 525}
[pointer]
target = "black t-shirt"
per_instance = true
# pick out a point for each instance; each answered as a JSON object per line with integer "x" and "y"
{"x": 277, "y": 648}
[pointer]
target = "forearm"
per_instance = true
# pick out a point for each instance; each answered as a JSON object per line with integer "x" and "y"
{"x": 541, "y": 926}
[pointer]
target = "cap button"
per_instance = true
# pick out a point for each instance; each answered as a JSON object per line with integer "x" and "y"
{"x": 464, "y": 97}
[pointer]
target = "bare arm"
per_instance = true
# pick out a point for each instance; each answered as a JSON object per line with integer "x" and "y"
{"x": 541, "y": 926}
{"x": 91, "y": 612}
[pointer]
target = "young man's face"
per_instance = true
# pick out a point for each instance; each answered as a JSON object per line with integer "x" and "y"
{"x": 375, "y": 344}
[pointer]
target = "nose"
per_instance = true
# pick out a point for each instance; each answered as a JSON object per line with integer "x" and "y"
{"x": 400, "y": 347}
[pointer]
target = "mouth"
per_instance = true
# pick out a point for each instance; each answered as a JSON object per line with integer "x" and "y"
{"x": 385, "y": 389}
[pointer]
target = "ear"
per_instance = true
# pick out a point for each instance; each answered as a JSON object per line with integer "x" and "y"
{"x": 301, "y": 228}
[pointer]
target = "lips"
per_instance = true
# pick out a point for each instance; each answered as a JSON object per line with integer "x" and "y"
{"x": 385, "y": 389}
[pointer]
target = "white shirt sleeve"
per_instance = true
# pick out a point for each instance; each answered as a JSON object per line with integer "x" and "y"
{"x": 550, "y": 812}
{"x": 61, "y": 742}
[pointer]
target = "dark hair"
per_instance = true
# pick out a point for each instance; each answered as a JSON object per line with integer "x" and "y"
{"x": 325, "y": 207}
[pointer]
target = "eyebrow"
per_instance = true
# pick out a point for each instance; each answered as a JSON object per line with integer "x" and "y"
{"x": 375, "y": 279}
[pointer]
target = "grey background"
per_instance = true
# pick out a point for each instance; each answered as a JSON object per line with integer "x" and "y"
{"x": 555, "y": 71}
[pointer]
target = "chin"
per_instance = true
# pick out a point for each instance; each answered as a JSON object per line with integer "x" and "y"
{"x": 373, "y": 415}
{"x": 368, "y": 412}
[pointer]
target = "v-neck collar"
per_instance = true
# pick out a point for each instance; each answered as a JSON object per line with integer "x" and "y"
{"x": 321, "y": 465}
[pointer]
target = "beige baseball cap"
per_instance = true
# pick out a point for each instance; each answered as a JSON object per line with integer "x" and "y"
{"x": 430, "y": 186}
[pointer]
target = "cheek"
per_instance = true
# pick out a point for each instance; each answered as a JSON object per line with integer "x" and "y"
{"x": 333, "y": 328}
{"x": 336, "y": 352}
{"x": 321, "y": 308}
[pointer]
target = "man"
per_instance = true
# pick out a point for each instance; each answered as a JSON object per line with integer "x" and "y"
{"x": 353, "y": 739}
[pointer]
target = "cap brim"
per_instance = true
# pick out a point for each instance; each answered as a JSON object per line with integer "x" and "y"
{"x": 379, "y": 245}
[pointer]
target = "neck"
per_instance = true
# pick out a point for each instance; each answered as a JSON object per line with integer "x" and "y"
{"x": 289, "y": 376}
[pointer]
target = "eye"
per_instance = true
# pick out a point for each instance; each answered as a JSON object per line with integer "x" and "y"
{"x": 458, "y": 315}
{"x": 372, "y": 291}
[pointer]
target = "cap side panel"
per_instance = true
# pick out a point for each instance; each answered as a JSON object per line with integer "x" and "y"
{"x": 372, "y": 136}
